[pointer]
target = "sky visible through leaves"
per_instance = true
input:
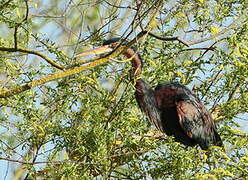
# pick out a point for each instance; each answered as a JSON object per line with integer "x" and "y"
{"x": 69, "y": 31}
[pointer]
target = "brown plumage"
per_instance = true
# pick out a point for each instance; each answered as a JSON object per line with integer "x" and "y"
{"x": 172, "y": 107}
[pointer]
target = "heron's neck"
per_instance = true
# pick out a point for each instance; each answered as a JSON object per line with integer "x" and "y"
{"x": 136, "y": 62}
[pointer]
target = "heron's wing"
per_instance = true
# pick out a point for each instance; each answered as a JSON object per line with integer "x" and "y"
{"x": 196, "y": 122}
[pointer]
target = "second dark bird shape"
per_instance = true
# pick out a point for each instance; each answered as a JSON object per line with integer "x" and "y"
{"x": 173, "y": 108}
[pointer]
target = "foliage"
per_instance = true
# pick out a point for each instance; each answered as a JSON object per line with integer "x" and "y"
{"x": 88, "y": 125}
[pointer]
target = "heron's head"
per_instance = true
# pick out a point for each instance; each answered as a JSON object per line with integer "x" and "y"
{"x": 110, "y": 45}
{"x": 107, "y": 47}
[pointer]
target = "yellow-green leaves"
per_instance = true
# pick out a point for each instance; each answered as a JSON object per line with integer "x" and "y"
{"x": 214, "y": 30}
{"x": 181, "y": 19}
{"x": 89, "y": 111}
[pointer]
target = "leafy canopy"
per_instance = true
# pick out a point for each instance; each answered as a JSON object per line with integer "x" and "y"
{"x": 77, "y": 118}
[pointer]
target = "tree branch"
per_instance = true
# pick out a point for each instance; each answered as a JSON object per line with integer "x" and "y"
{"x": 193, "y": 49}
{"x": 5, "y": 4}
{"x": 19, "y": 24}
{"x": 229, "y": 28}
{"x": 18, "y": 49}
{"x": 97, "y": 62}
{"x": 120, "y": 7}
{"x": 43, "y": 162}
{"x": 187, "y": 43}
{"x": 50, "y": 61}
{"x": 70, "y": 161}
{"x": 169, "y": 39}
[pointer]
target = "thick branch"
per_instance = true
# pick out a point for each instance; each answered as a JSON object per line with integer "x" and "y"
{"x": 76, "y": 70}
{"x": 27, "y": 86}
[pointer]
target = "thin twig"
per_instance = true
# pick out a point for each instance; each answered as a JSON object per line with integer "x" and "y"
{"x": 5, "y": 4}
{"x": 187, "y": 43}
{"x": 19, "y": 24}
{"x": 43, "y": 162}
{"x": 19, "y": 49}
{"x": 193, "y": 49}
{"x": 225, "y": 30}
{"x": 69, "y": 161}
{"x": 169, "y": 39}
{"x": 120, "y": 7}
{"x": 233, "y": 92}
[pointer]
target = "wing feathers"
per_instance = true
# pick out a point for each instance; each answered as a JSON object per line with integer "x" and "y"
{"x": 188, "y": 116}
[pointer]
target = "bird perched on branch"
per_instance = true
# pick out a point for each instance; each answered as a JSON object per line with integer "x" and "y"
{"x": 173, "y": 108}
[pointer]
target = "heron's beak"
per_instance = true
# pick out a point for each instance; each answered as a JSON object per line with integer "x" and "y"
{"x": 97, "y": 51}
